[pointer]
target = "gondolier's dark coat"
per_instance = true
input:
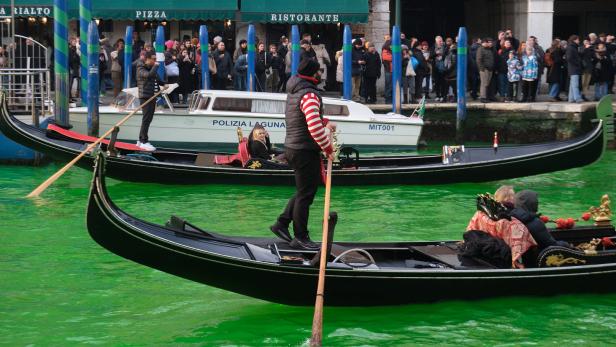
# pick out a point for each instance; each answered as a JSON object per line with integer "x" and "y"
{"x": 298, "y": 136}
{"x": 146, "y": 80}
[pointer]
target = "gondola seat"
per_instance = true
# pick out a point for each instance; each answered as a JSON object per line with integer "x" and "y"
{"x": 558, "y": 256}
{"x": 449, "y": 255}
{"x": 239, "y": 159}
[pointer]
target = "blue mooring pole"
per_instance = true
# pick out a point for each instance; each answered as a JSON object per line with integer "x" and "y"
{"x": 347, "y": 51}
{"x": 461, "y": 62}
{"x": 60, "y": 44}
{"x": 204, "y": 41}
{"x": 85, "y": 17}
{"x": 250, "y": 72}
{"x": 396, "y": 75}
{"x": 128, "y": 56}
{"x": 294, "y": 49}
{"x": 93, "y": 79}
{"x": 159, "y": 47}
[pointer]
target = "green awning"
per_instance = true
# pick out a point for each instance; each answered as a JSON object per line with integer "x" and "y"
{"x": 305, "y": 11}
{"x": 158, "y": 10}
{"x": 151, "y": 10}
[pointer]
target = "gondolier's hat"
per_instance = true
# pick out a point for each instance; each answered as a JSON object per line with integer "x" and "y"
{"x": 308, "y": 67}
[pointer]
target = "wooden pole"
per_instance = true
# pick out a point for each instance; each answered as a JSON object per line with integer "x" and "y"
{"x": 317, "y": 320}
{"x": 60, "y": 172}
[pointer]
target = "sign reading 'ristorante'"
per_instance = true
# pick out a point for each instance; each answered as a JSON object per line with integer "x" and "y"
{"x": 304, "y": 17}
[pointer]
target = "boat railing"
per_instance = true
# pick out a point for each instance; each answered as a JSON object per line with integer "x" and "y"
{"x": 27, "y": 88}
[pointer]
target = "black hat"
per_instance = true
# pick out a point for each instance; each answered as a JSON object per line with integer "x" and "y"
{"x": 308, "y": 67}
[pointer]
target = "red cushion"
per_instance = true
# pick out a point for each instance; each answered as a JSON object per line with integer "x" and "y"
{"x": 85, "y": 138}
{"x": 241, "y": 157}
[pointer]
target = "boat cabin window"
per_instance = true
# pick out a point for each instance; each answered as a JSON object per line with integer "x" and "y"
{"x": 232, "y": 105}
{"x": 249, "y": 105}
{"x": 335, "y": 110}
{"x": 268, "y": 106}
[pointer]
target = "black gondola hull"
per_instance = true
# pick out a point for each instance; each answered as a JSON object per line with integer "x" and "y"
{"x": 228, "y": 263}
{"x": 483, "y": 164}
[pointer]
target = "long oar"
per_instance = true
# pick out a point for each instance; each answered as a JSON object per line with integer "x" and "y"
{"x": 60, "y": 172}
{"x": 317, "y": 320}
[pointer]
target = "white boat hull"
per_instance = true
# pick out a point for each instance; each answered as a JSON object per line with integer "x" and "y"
{"x": 207, "y": 131}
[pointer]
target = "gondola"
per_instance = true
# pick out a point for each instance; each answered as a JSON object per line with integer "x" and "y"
{"x": 360, "y": 274}
{"x": 194, "y": 167}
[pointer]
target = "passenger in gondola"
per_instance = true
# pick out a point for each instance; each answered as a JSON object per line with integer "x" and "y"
{"x": 526, "y": 207}
{"x": 499, "y": 224}
{"x": 259, "y": 145}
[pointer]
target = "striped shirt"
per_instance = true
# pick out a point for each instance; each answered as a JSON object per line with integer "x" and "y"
{"x": 311, "y": 106}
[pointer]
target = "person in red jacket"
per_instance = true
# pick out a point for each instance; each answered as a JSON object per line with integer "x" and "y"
{"x": 306, "y": 138}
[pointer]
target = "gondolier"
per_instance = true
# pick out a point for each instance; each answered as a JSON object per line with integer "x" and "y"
{"x": 147, "y": 77}
{"x": 306, "y": 137}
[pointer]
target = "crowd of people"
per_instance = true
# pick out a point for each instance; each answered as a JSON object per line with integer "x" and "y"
{"x": 502, "y": 69}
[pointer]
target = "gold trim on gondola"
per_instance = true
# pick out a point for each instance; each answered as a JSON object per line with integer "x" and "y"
{"x": 559, "y": 260}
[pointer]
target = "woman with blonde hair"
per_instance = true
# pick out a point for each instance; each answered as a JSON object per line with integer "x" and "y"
{"x": 505, "y": 195}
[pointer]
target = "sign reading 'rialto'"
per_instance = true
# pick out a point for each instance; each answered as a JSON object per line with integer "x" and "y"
{"x": 33, "y": 11}
{"x": 304, "y": 17}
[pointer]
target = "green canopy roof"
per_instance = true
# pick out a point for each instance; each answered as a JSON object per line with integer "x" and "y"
{"x": 305, "y": 11}
{"x": 156, "y": 10}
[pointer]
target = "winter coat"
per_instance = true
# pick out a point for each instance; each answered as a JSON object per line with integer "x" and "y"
{"x": 339, "y": 68}
{"x": 239, "y": 51}
{"x": 323, "y": 59}
{"x": 451, "y": 61}
{"x": 526, "y": 212}
{"x": 556, "y": 70}
{"x": 356, "y": 55}
{"x": 472, "y": 62}
{"x": 307, "y": 54}
{"x": 530, "y": 70}
{"x": 297, "y": 133}
{"x": 514, "y": 69}
{"x": 574, "y": 62}
{"x": 187, "y": 76}
{"x": 263, "y": 62}
{"x": 224, "y": 63}
{"x": 146, "y": 80}
{"x": 602, "y": 69}
{"x": 503, "y": 57}
{"x": 588, "y": 54}
{"x": 373, "y": 65}
{"x": 485, "y": 59}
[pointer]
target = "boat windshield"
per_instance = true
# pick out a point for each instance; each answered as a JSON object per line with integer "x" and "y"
{"x": 125, "y": 101}
{"x": 128, "y": 100}
{"x": 198, "y": 102}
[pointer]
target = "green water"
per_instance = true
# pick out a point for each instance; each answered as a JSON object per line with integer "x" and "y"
{"x": 58, "y": 287}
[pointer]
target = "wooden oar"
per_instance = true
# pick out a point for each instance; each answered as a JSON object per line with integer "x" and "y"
{"x": 60, "y": 172}
{"x": 317, "y": 320}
